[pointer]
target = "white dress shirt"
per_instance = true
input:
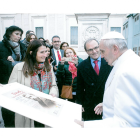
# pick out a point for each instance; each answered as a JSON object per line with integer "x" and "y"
{"x": 56, "y": 56}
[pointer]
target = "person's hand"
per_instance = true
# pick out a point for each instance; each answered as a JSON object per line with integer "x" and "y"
{"x": 55, "y": 67}
{"x": 79, "y": 123}
{"x": 75, "y": 60}
{"x": 1, "y": 85}
{"x": 62, "y": 61}
{"x": 53, "y": 95}
{"x": 47, "y": 41}
{"x": 83, "y": 109}
{"x": 10, "y": 58}
{"x": 99, "y": 109}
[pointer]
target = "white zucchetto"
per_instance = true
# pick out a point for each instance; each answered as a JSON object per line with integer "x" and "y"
{"x": 113, "y": 35}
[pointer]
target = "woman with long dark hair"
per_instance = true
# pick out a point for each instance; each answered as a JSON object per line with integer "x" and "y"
{"x": 12, "y": 51}
{"x": 64, "y": 45}
{"x": 49, "y": 54}
{"x": 37, "y": 73}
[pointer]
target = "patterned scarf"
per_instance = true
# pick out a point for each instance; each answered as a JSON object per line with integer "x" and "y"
{"x": 16, "y": 49}
{"x": 46, "y": 79}
{"x": 72, "y": 69}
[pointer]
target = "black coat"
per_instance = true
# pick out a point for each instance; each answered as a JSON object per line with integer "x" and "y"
{"x": 90, "y": 87}
{"x": 5, "y": 65}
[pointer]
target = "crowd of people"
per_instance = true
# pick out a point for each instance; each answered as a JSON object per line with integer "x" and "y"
{"x": 104, "y": 83}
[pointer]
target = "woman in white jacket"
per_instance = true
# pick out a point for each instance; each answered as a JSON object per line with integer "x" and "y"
{"x": 34, "y": 72}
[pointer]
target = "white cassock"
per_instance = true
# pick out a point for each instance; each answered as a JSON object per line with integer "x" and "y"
{"x": 121, "y": 102}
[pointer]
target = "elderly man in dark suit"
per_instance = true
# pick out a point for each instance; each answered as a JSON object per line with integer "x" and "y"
{"x": 91, "y": 77}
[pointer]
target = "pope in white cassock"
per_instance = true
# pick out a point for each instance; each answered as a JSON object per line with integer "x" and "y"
{"x": 121, "y": 102}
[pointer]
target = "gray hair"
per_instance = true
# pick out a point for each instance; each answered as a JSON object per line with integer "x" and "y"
{"x": 55, "y": 36}
{"x": 89, "y": 40}
{"x": 121, "y": 43}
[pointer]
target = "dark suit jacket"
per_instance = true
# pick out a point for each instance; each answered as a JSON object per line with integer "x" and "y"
{"x": 90, "y": 87}
{"x": 53, "y": 55}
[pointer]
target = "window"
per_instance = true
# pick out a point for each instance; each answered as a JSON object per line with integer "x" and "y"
{"x": 39, "y": 31}
{"x": 117, "y": 29}
{"x": 74, "y": 35}
{"x": 135, "y": 49}
{"x": 136, "y": 25}
{"x": 139, "y": 49}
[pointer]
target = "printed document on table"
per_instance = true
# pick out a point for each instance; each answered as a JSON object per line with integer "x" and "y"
{"x": 52, "y": 111}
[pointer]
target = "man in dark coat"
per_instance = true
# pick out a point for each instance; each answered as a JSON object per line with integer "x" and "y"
{"x": 91, "y": 77}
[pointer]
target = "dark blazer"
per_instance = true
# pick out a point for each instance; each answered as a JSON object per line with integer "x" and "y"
{"x": 53, "y": 55}
{"x": 90, "y": 87}
{"x": 5, "y": 65}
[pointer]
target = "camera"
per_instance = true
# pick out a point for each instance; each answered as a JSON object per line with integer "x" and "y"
{"x": 68, "y": 59}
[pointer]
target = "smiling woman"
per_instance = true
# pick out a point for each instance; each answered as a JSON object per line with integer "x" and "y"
{"x": 67, "y": 71}
{"x": 41, "y": 54}
{"x": 37, "y": 73}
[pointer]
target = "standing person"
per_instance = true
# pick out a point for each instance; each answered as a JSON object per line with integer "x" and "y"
{"x": 121, "y": 103}
{"x": 64, "y": 45}
{"x": 36, "y": 73}
{"x": 56, "y": 52}
{"x": 49, "y": 52}
{"x": 46, "y": 41}
{"x": 42, "y": 39}
{"x": 12, "y": 51}
{"x": 49, "y": 55}
{"x": 91, "y": 77}
{"x": 31, "y": 37}
{"x": 24, "y": 41}
{"x": 67, "y": 70}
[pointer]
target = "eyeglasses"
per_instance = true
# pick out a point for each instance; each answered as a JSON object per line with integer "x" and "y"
{"x": 56, "y": 41}
{"x": 95, "y": 49}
